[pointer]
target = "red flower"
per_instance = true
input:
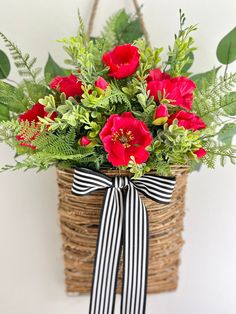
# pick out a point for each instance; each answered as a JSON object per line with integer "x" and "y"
{"x": 101, "y": 83}
{"x": 84, "y": 141}
{"x": 161, "y": 115}
{"x": 182, "y": 93}
{"x": 178, "y": 90}
{"x": 32, "y": 115}
{"x": 70, "y": 85}
{"x": 122, "y": 61}
{"x": 187, "y": 120}
{"x": 125, "y": 136}
{"x": 201, "y": 152}
{"x": 157, "y": 75}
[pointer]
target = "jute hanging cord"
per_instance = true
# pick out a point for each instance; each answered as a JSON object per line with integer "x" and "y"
{"x": 138, "y": 12}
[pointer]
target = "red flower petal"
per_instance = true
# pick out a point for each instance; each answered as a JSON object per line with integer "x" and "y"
{"x": 178, "y": 90}
{"x": 157, "y": 75}
{"x": 201, "y": 152}
{"x": 70, "y": 85}
{"x": 187, "y": 120}
{"x": 32, "y": 115}
{"x": 125, "y": 136}
{"x": 122, "y": 61}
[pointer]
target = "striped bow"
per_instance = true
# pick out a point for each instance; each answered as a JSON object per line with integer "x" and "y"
{"x": 124, "y": 222}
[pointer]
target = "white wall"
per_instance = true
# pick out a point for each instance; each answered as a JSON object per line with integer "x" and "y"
{"x": 31, "y": 269}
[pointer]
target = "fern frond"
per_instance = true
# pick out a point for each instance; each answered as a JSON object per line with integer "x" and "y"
{"x": 210, "y": 101}
{"x": 43, "y": 160}
{"x": 24, "y": 63}
{"x": 58, "y": 143}
{"x": 215, "y": 152}
{"x": 8, "y": 132}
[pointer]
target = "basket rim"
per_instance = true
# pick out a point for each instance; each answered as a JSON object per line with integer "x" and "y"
{"x": 118, "y": 172}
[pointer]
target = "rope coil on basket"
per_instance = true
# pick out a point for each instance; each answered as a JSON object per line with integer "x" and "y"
{"x": 79, "y": 219}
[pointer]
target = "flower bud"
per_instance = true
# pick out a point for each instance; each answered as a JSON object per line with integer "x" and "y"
{"x": 84, "y": 141}
{"x": 101, "y": 85}
{"x": 161, "y": 115}
{"x": 200, "y": 153}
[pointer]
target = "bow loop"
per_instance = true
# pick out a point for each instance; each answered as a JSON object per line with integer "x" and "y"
{"x": 157, "y": 188}
{"x": 86, "y": 181}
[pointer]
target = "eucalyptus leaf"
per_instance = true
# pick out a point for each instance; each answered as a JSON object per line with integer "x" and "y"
{"x": 227, "y": 133}
{"x": 53, "y": 69}
{"x": 230, "y": 107}
{"x": 188, "y": 65}
{"x": 200, "y": 78}
{"x": 5, "y": 66}
{"x": 226, "y": 50}
{"x": 4, "y": 113}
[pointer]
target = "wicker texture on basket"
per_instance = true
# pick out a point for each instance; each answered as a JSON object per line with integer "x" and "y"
{"x": 79, "y": 220}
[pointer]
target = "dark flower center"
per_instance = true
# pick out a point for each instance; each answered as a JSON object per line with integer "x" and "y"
{"x": 123, "y": 136}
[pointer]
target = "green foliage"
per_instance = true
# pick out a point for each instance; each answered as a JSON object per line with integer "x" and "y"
{"x": 57, "y": 143}
{"x": 85, "y": 55}
{"x": 187, "y": 66}
{"x": 121, "y": 28}
{"x": 230, "y": 101}
{"x": 137, "y": 170}
{"x": 8, "y": 131}
{"x": 176, "y": 145}
{"x": 180, "y": 55}
{"x": 5, "y": 66}
{"x": 12, "y": 100}
{"x": 16, "y": 99}
{"x": 4, "y": 113}
{"x": 216, "y": 151}
{"x": 227, "y": 133}
{"x": 226, "y": 50}
{"x": 57, "y": 140}
{"x": 211, "y": 101}
{"x": 25, "y": 65}
{"x": 52, "y": 69}
{"x": 149, "y": 57}
{"x": 51, "y": 148}
{"x": 202, "y": 80}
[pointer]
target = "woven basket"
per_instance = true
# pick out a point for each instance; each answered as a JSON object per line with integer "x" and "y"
{"x": 79, "y": 219}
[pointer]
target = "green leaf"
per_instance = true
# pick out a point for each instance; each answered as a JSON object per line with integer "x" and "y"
{"x": 133, "y": 31}
{"x": 226, "y": 50}
{"x": 227, "y": 133}
{"x": 4, "y": 113}
{"x": 230, "y": 107}
{"x": 205, "y": 76}
{"x": 5, "y": 66}
{"x": 53, "y": 69}
{"x": 188, "y": 65}
{"x": 126, "y": 28}
{"x": 121, "y": 21}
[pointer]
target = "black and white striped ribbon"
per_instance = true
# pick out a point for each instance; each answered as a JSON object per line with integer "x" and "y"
{"x": 123, "y": 222}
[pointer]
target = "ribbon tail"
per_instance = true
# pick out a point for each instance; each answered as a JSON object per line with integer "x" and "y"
{"x": 135, "y": 254}
{"x": 108, "y": 254}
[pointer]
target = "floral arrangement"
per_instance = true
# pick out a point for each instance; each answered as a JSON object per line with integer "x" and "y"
{"x": 121, "y": 105}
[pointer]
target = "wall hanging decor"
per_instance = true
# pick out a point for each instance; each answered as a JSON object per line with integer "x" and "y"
{"x": 124, "y": 127}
